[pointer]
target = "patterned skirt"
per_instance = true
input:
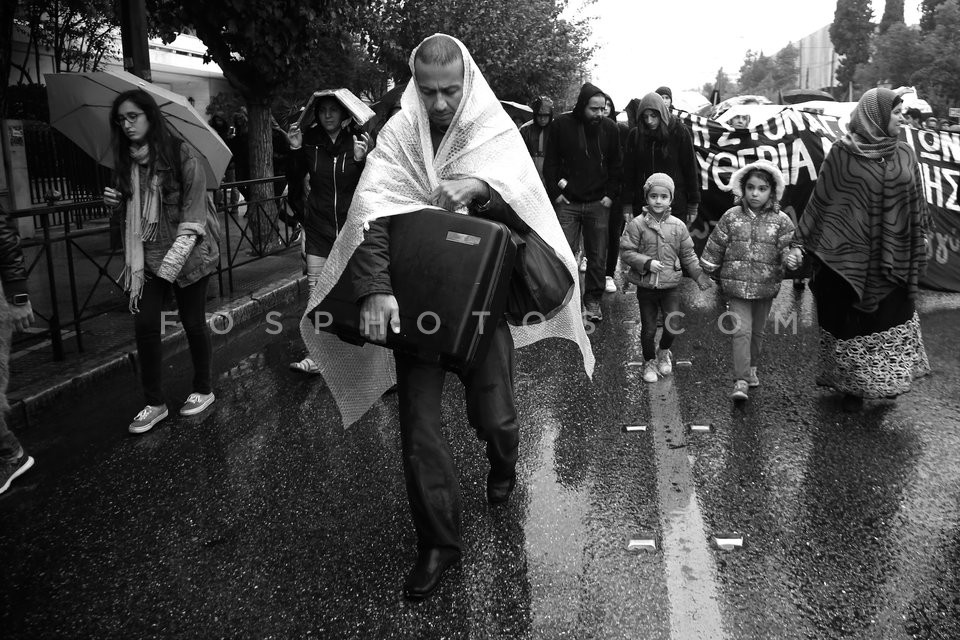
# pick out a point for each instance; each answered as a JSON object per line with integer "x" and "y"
{"x": 878, "y": 365}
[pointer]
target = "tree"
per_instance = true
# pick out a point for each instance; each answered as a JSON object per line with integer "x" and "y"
{"x": 524, "y": 47}
{"x": 928, "y": 10}
{"x": 8, "y": 13}
{"x": 892, "y": 14}
{"x": 897, "y": 54}
{"x": 263, "y": 48}
{"x": 938, "y": 80}
{"x": 850, "y": 33}
{"x": 723, "y": 84}
{"x": 768, "y": 76}
{"x": 80, "y": 34}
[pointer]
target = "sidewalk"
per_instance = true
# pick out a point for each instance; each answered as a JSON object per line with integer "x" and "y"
{"x": 37, "y": 381}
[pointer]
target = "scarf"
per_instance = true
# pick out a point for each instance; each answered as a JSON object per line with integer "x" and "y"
{"x": 141, "y": 221}
{"x": 400, "y": 174}
{"x": 868, "y": 135}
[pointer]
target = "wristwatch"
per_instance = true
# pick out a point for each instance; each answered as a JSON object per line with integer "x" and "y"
{"x": 19, "y": 299}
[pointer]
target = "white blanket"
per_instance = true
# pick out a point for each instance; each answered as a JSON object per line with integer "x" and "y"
{"x": 400, "y": 174}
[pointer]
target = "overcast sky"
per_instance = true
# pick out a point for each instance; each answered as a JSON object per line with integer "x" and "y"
{"x": 644, "y": 44}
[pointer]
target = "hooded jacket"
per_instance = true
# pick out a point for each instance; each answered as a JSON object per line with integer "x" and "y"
{"x": 585, "y": 155}
{"x": 333, "y": 176}
{"x": 536, "y": 137}
{"x": 669, "y": 151}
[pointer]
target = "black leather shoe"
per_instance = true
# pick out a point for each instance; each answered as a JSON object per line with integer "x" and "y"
{"x": 427, "y": 571}
{"x": 498, "y": 491}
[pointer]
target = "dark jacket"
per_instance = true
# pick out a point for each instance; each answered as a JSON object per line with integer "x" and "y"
{"x": 587, "y": 156}
{"x": 12, "y": 270}
{"x": 669, "y": 151}
{"x": 369, "y": 267}
{"x": 334, "y": 175}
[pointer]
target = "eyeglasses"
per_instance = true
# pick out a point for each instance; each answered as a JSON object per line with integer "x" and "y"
{"x": 131, "y": 117}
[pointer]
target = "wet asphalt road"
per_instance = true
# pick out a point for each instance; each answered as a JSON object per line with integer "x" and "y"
{"x": 265, "y": 519}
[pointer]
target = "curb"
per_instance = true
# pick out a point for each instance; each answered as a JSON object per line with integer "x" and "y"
{"x": 236, "y": 314}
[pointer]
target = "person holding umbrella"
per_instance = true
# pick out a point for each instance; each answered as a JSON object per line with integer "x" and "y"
{"x": 171, "y": 242}
{"x": 331, "y": 154}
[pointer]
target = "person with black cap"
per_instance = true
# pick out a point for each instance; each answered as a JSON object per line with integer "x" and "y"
{"x": 582, "y": 171}
{"x": 667, "y": 94}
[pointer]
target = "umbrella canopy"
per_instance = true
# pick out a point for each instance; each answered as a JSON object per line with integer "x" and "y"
{"x": 80, "y": 109}
{"x": 714, "y": 112}
{"x": 516, "y": 110}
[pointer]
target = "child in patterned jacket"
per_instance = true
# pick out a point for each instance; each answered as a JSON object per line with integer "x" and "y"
{"x": 749, "y": 246}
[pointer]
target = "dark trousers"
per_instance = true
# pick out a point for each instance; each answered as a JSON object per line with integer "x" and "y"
{"x": 149, "y": 327}
{"x": 592, "y": 219}
{"x": 651, "y": 301}
{"x": 9, "y": 445}
{"x": 614, "y": 231}
{"x": 433, "y": 489}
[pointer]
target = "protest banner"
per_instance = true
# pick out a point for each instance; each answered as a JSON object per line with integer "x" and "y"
{"x": 797, "y": 142}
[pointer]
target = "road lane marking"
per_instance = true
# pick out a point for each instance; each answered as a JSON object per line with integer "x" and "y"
{"x": 689, "y": 566}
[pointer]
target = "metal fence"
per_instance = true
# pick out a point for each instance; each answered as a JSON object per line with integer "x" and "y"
{"x": 74, "y": 262}
{"x": 59, "y": 170}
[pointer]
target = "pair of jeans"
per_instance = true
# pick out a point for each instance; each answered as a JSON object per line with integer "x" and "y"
{"x": 149, "y": 327}
{"x": 614, "y": 231}
{"x": 433, "y": 489}
{"x": 651, "y": 301}
{"x": 748, "y": 330}
{"x": 9, "y": 445}
{"x": 592, "y": 220}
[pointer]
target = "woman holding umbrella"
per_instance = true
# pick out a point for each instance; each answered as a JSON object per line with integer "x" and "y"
{"x": 171, "y": 241}
{"x": 332, "y": 155}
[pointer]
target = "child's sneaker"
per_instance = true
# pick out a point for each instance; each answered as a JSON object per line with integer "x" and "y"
{"x": 196, "y": 402}
{"x": 650, "y": 371}
{"x": 10, "y": 471}
{"x": 664, "y": 362}
{"x": 740, "y": 390}
{"x": 145, "y": 420}
{"x": 610, "y": 286}
{"x": 752, "y": 379}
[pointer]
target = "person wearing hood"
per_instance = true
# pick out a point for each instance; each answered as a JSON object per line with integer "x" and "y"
{"x": 660, "y": 144}
{"x": 616, "y": 222}
{"x": 583, "y": 172}
{"x": 536, "y": 132}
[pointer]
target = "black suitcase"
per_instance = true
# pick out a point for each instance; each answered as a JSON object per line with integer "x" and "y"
{"x": 450, "y": 275}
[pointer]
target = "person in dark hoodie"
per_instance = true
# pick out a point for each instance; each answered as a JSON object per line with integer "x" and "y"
{"x": 333, "y": 156}
{"x": 536, "y": 132}
{"x": 660, "y": 144}
{"x": 582, "y": 170}
{"x": 616, "y": 222}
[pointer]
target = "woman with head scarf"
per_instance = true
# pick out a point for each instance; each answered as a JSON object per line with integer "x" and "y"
{"x": 864, "y": 229}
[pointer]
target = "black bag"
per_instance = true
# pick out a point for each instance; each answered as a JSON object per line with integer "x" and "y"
{"x": 541, "y": 284}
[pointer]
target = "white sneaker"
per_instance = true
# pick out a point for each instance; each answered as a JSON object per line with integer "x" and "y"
{"x": 611, "y": 286}
{"x": 739, "y": 390}
{"x": 752, "y": 379}
{"x": 583, "y": 264}
{"x": 650, "y": 371}
{"x": 147, "y": 418}
{"x": 664, "y": 362}
{"x": 196, "y": 403}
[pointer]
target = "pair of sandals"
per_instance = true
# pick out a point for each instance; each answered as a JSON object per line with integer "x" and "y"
{"x": 307, "y": 365}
